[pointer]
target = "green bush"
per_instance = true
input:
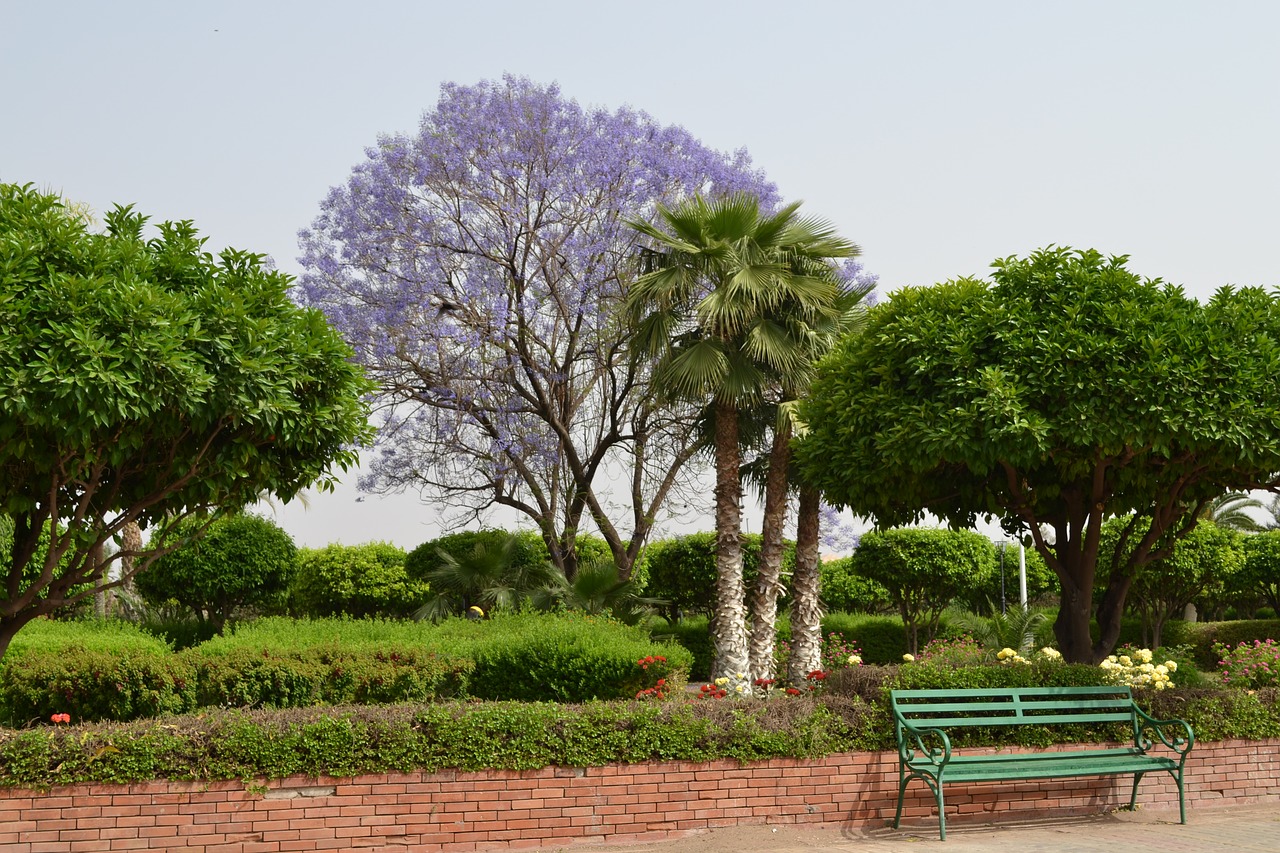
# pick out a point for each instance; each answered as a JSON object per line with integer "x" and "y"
{"x": 848, "y": 592}
{"x": 93, "y": 671}
{"x": 683, "y": 571}
{"x": 241, "y": 560}
{"x": 355, "y": 580}
{"x": 283, "y": 663}
{"x": 559, "y": 658}
{"x": 1203, "y": 636}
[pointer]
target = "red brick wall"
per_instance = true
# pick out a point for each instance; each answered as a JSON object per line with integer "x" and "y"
{"x": 483, "y": 811}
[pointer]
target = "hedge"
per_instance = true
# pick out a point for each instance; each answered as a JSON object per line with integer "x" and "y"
{"x": 95, "y": 671}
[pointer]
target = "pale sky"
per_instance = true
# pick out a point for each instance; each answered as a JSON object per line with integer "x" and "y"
{"x": 937, "y": 135}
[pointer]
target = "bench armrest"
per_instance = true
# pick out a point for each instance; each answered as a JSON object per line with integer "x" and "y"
{"x": 908, "y": 733}
{"x": 1165, "y": 731}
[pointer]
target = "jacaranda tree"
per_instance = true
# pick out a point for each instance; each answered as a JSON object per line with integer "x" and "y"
{"x": 1065, "y": 391}
{"x": 477, "y": 267}
{"x": 143, "y": 380}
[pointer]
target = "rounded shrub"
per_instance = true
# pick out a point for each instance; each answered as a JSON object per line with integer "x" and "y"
{"x": 356, "y": 580}
{"x": 240, "y": 560}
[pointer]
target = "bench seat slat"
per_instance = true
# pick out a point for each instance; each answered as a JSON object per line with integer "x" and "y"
{"x": 1026, "y": 720}
{"x": 959, "y": 771}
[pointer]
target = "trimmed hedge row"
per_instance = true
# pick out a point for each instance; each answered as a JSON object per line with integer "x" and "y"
{"x": 282, "y": 663}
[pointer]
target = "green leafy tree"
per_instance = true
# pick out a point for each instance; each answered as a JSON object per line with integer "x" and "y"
{"x": 144, "y": 380}
{"x": 1260, "y": 574}
{"x": 240, "y": 560}
{"x": 355, "y": 580}
{"x": 1201, "y": 563}
{"x": 729, "y": 300}
{"x": 923, "y": 570}
{"x": 1065, "y": 392}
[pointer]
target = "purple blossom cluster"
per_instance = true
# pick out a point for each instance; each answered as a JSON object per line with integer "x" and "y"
{"x": 836, "y": 535}
{"x": 477, "y": 267}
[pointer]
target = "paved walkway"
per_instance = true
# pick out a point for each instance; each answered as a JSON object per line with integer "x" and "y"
{"x": 1229, "y": 829}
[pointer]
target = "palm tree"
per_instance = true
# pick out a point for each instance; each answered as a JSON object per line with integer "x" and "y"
{"x": 1230, "y": 510}
{"x": 489, "y": 577}
{"x": 728, "y": 300}
{"x": 598, "y": 588}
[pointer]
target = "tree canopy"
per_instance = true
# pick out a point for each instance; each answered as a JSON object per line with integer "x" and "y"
{"x": 477, "y": 267}
{"x": 1064, "y": 391}
{"x": 142, "y": 380}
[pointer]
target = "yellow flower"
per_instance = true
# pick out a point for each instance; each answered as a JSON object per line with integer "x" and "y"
{"x": 855, "y": 660}
{"x": 1125, "y": 660}
{"x": 721, "y": 681}
{"x": 1144, "y": 655}
{"x": 1172, "y": 665}
{"x": 909, "y": 658}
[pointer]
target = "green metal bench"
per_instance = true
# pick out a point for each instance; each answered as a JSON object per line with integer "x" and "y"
{"x": 923, "y": 717}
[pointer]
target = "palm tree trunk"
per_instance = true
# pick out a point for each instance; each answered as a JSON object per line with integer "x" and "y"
{"x": 732, "y": 654}
{"x": 764, "y": 598}
{"x": 806, "y": 609}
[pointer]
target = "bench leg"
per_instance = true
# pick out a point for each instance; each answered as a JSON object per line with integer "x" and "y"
{"x": 1182, "y": 802}
{"x": 934, "y": 786}
{"x": 903, "y": 779}
{"x": 1133, "y": 799}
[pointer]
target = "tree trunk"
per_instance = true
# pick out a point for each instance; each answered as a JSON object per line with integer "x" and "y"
{"x": 131, "y": 542}
{"x": 764, "y": 598}
{"x": 806, "y": 609}
{"x": 733, "y": 659}
{"x": 1071, "y": 628}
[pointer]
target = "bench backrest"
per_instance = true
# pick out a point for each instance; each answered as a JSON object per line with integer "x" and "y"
{"x": 1012, "y": 706}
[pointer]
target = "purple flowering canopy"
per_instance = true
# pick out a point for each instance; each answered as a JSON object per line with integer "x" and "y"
{"x": 477, "y": 268}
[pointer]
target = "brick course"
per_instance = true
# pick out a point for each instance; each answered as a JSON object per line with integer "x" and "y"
{"x": 456, "y": 811}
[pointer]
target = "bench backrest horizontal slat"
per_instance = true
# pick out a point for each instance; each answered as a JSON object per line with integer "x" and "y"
{"x": 1013, "y": 706}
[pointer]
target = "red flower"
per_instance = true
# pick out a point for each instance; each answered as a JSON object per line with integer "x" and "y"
{"x": 61, "y": 718}
{"x": 791, "y": 691}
